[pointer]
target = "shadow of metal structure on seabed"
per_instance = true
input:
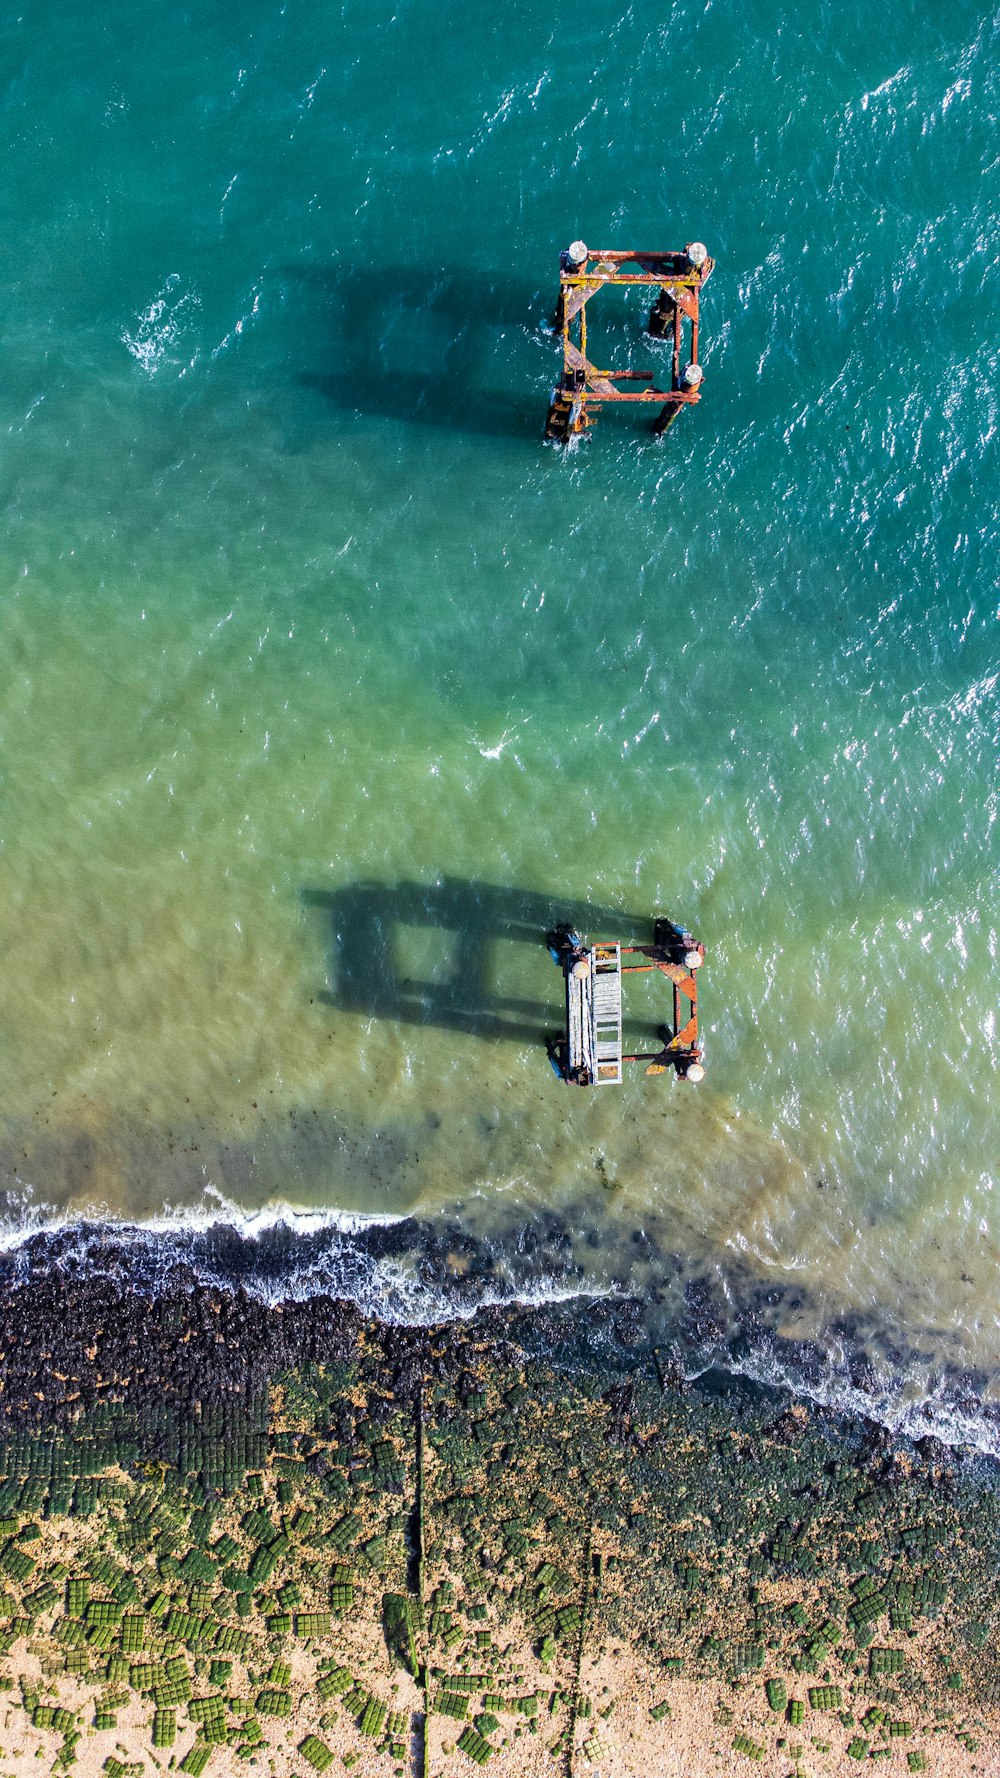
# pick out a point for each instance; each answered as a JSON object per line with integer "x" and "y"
{"x": 370, "y": 960}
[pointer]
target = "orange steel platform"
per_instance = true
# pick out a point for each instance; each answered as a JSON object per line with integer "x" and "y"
{"x": 677, "y": 279}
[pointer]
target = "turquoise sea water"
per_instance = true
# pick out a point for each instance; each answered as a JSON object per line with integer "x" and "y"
{"x": 308, "y": 638}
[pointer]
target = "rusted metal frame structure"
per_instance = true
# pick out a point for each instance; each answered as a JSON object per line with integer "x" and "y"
{"x": 681, "y": 1044}
{"x": 593, "y": 980}
{"x": 678, "y": 277}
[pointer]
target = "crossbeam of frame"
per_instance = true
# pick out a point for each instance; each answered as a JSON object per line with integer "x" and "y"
{"x": 682, "y": 1043}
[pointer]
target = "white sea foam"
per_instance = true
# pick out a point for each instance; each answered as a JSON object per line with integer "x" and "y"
{"x": 915, "y": 1415}
{"x": 380, "y": 1286}
{"x": 160, "y": 326}
{"x": 217, "y": 1214}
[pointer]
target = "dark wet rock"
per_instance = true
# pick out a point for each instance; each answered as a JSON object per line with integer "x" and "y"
{"x": 628, "y": 1323}
{"x": 863, "y": 1375}
{"x": 801, "y": 1358}
{"x": 875, "y": 1444}
{"x": 670, "y": 1370}
{"x": 620, "y": 1400}
{"x": 88, "y": 1316}
{"x": 788, "y": 1427}
{"x": 706, "y": 1315}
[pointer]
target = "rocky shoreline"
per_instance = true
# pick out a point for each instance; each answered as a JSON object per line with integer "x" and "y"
{"x": 286, "y": 1535}
{"x": 419, "y": 1271}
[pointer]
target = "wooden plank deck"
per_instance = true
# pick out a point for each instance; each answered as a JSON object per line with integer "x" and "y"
{"x": 594, "y": 1016}
{"x": 606, "y": 975}
{"x": 580, "y": 1022}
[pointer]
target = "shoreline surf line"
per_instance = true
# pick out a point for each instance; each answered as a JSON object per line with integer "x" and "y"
{"x": 365, "y": 1269}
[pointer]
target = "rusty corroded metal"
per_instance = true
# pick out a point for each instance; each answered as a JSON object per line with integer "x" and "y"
{"x": 676, "y": 279}
{"x": 589, "y": 1051}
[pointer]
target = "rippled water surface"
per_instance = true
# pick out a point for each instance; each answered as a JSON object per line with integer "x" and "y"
{"x": 325, "y": 684}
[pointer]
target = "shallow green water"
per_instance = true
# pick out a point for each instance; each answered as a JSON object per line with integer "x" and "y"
{"x": 295, "y": 600}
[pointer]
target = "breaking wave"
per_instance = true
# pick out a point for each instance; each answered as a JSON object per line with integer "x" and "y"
{"x": 412, "y": 1272}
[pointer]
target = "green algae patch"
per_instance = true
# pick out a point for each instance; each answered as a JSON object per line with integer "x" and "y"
{"x": 507, "y": 1549}
{"x": 316, "y": 1753}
